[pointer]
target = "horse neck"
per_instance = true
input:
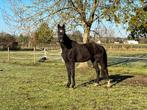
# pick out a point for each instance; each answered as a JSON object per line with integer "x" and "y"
{"x": 63, "y": 47}
{"x": 67, "y": 44}
{"x": 67, "y": 39}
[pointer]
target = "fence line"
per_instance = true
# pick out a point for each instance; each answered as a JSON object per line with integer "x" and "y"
{"x": 8, "y": 54}
{"x": 33, "y": 56}
{"x": 9, "y": 57}
{"x": 137, "y": 58}
{"x": 110, "y": 46}
{"x": 18, "y": 58}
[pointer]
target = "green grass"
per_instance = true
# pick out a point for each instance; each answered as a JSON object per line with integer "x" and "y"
{"x": 25, "y": 86}
{"x": 129, "y": 67}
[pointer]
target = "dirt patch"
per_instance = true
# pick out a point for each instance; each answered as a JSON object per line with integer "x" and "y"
{"x": 136, "y": 80}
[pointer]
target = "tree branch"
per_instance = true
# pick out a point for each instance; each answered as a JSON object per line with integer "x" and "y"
{"x": 79, "y": 10}
{"x": 92, "y": 13}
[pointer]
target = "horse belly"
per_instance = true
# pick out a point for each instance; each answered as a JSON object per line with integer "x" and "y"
{"x": 82, "y": 56}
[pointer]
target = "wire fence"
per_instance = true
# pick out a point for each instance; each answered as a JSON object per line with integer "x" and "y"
{"x": 33, "y": 56}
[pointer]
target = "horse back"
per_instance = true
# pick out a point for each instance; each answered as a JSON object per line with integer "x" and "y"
{"x": 85, "y": 52}
{"x": 94, "y": 48}
{"x": 82, "y": 52}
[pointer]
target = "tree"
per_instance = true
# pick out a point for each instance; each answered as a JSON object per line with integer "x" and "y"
{"x": 73, "y": 12}
{"x": 7, "y": 40}
{"x": 23, "y": 39}
{"x": 76, "y": 35}
{"x": 138, "y": 24}
{"x": 44, "y": 34}
{"x": 102, "y": 31}
{"x": 145, "y": 6}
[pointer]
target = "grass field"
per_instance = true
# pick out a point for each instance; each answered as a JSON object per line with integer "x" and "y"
{"x": 25, "y": 86}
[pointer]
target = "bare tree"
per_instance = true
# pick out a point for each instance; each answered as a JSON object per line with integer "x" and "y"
{"x": 27, "y": 15}
{"x": 74, "y": 13}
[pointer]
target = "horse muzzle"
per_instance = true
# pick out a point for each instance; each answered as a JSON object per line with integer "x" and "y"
{"x": 60, "y": 40}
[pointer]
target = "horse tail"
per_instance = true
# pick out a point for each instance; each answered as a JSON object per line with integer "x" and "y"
{"x": 105, "y": 65}
{"x": 105, "y": 58}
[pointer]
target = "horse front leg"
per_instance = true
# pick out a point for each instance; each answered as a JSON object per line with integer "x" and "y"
{"x": 68, "y": 75}
{"x": 72, "y": 69}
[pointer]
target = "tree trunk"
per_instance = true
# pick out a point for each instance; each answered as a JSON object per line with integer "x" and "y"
{"x": 85, "y": 40}
{"x": 86, "y": 34}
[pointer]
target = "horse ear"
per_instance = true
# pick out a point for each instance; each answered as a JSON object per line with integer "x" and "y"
{"x": 58, "y": 25}
{"x": 63, "y": 26}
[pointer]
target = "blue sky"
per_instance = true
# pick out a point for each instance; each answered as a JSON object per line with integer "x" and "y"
{"x": 3, "y": 27}
{"x": 119, "y": 30}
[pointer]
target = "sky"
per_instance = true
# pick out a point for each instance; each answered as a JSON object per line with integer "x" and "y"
{"x": 3, "y": 26}
{"x": 119, "y": 29}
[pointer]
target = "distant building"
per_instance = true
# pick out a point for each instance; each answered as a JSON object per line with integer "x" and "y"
{"x": 116, "y": 42}
{"x": 131, "y": 42}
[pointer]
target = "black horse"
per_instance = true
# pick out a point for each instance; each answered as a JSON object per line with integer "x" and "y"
{"x": 73, "y": 52}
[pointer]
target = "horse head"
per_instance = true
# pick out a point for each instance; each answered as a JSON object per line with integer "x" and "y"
{"x": 61, "y": 33}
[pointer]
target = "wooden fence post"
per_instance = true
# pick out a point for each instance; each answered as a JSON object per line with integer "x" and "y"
{"x": 34, "y": 55}
{"x": 8, "y": 54}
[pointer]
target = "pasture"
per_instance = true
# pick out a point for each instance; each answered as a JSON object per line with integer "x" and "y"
{"x": 40, "y": 86}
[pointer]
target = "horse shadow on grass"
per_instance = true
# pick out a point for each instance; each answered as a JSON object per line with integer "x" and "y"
{"x": 115, "y": 79}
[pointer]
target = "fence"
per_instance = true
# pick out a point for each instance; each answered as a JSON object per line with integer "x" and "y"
{"x": 34, "y": 54}
{"x": 111, "y": 46}
{"x": 31, "y": 56}
{"x": 8, "y": 56}
{"x": 125, "y": 46}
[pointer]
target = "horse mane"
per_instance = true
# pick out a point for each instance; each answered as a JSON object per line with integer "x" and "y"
{"x": 68, "y": 43}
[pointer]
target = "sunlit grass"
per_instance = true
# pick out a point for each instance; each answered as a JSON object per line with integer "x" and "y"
{"x": 40, "y": 86}
{"x": 126, "y": 52}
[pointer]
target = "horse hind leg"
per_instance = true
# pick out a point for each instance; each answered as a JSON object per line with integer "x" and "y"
{"x": 95, "y": 65}
{"x": 104, "y": 73}
{"x": 72, "y": 74}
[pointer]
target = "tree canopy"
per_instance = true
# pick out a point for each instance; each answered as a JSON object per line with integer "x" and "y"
{"x": 44, "y": 34}
{"x": 138, "y": 24}
{"x": 74, "y": 13}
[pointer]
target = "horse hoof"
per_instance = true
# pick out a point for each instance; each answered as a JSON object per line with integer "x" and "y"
{"x": 109, "y": 84}
{"x": 73, "y": 86}
{"x": 68, "y": 86}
